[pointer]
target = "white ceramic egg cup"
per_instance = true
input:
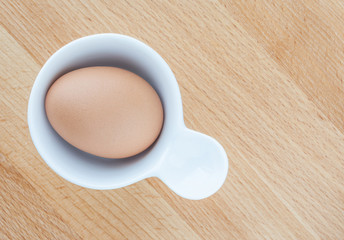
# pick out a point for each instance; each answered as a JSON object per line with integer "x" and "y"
{"x": 192, "y": 164}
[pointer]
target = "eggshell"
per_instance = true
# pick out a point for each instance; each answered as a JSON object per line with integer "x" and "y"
{"x": 106, "y": 111}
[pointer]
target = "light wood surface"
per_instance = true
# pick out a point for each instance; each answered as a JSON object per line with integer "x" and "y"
{"x": 265, "y": 78}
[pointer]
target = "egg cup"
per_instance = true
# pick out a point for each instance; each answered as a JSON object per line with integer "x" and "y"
{"x": 190, "y": 163}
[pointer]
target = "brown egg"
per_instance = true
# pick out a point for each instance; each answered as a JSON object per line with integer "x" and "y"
{"x": 106, "y": 111}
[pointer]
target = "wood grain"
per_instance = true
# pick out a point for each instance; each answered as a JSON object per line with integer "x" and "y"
{"x": 265, "y": 78}
{"x": 25, "y": 215}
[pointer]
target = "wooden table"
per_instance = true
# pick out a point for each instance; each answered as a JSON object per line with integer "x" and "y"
{"x": 265, "y": 78}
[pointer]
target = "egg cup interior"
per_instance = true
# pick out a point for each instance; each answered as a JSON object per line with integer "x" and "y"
{"x": 190, "y": 163}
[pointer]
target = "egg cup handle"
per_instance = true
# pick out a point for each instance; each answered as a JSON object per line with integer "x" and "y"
{"x": 195, "y": 165}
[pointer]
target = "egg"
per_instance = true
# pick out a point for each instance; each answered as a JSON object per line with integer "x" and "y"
{"x": 105, "y": 111}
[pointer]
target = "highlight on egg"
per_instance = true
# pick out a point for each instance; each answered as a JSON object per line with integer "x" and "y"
{"x": 105, "y": 111}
